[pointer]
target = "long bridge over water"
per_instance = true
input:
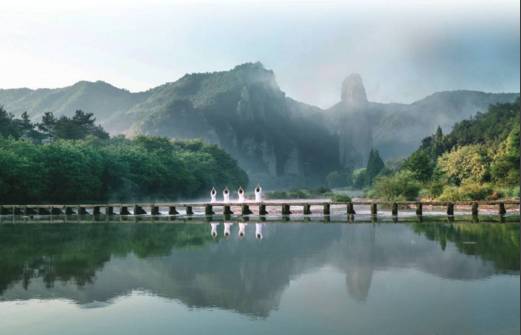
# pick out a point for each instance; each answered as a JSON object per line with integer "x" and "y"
{"x": 279, "y": 208}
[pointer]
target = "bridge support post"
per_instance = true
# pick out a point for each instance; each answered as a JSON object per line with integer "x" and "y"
{"x": 245, "y": 210}
{"x": 208, "y": 210}
{"x": 394, "y": 210}
{"x": 327, "y": 209}
{"x": 450, "y": 209}
{"x": 18, "y": 211}
{"x": 502, "y": 210}
{"x": 475, "y": 210}
{"x": 56, "y": 211}
{"x": 154, "y": 210}
{"x": 262, "y": 209}
{"x": 189, "y": 210}
{"x": 82, "y": 211}
{"x": 138, "y": 210}
{"x": 350, "y": 209}
{"x": 227, "y": 210}
{"x": 307, "y": 209}
{"x": 172, "y": 211}
{"x": 109, "y": 210}
{"x": 419, "y": 209}
{"x": 124, "y": 210}
{"x": 96, "y": 210}
{"x": 374, "y": 209}
{"x": 286, "y": 209}
{"x": 69, "y": 211}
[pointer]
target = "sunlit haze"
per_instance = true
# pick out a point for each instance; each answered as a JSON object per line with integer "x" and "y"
{"x": 403, "y": 52}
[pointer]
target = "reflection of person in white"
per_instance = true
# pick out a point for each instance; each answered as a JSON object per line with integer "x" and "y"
{"x": 242, "y": 228}
{"x": 258, "y": 231}
{"x": 240, "y": 193}
{"x": 258, "y": 193}
{"x": 227, "y": 226}
{"x": 226, "y": 195}
{"x": 214, "y": 226}
{"x": 213, "y": 195}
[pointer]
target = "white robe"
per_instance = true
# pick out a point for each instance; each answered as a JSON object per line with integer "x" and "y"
{"x": 258, "y": 195}
{"x": 214, "y": 226}
{"x": 258, "y": 231}
{"x": 227, "y": 227}
{"x": 242, "y": 229}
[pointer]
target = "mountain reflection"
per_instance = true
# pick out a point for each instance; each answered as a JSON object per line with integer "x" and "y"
{"x": 241, "y": 267}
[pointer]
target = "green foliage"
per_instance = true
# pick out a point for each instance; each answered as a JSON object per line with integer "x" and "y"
{"x": 470, "y": 190}
{"x": 478, "y": 159}
{"x": 99, "y": 170}
{"x": 420, "y": 164}
{"x": 303, "y": 193}
{"x": 400, "y": 186}
{"x": 466, "y": 163}
{"x": 359, "y": 178}
{"x": 496, "y": 243}
{"x": 340, "y": 197}
{"x": 505, "y": 166}
{"x": 375, "y": 165}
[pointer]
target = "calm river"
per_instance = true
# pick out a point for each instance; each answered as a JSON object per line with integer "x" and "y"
{"x": 279, "y": 278}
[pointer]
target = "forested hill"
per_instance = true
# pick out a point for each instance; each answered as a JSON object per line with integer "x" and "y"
{"x": 278, "y": 141}
{"x": 478, "y": 159}
{"x": 69, "y": 160}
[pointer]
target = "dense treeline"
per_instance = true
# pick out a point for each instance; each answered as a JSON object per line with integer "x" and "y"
{"x": 478, "y": 159}
{"x": 72, "y": 160}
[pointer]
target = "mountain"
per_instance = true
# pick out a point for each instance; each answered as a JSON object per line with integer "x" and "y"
{"x": 277, "y": 140}
{"x": 104, "y": 100}
{"x": 245, "y": 112}
{"x": 398, "y": 128}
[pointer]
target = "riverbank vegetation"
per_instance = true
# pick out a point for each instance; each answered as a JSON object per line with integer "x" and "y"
{"x": 72, "y": 159}
{"x": 477, "y": 160}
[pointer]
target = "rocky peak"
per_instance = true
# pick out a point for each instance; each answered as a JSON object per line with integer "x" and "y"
{"x": 353, "y": 91}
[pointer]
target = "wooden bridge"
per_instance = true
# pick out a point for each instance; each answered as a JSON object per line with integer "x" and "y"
{"x": 284, "y": 208}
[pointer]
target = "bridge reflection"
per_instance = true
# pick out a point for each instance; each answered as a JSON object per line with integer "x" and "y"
{"x": 187, "y": 262}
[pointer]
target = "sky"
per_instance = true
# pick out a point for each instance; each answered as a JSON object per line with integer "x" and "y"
{"x": 404, "y": 50}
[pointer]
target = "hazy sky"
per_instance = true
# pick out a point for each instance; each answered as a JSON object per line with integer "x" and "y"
{"x": 404, "y": 50}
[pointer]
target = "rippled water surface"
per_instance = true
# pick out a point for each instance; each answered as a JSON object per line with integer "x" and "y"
{"x": 279, "y": 278}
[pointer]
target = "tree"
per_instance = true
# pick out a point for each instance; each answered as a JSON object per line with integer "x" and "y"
{"x": 505, "y": 165}
{"x": 466, "y": 163}
{"x": 420, "y": 164}
{"x": 359, "y": 178}
{"x": 400, "y": 186}
{"x": 375, "y": 164}
{"x": 46, "y": 127}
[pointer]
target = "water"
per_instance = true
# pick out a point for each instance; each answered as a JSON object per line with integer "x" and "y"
{"x": 307, "y": 278}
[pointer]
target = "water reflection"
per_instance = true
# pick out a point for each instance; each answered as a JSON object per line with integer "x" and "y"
{"x": 195, "y": 265}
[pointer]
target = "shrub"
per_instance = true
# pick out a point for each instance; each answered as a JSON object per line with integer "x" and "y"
{"x": 341, "y": 198}
{"x": 401, "y": 185}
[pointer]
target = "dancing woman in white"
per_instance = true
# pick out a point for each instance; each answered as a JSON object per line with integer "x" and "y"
{"x": 242, "y": 229}
{"x": 226, "y": 195}
{"x": 214, "y": 226}
{"x": 258, "y": 231}
{"x": 227, "y": 227}
{"x": 240, "y": 193}
{"x": 258, "y": 193}
{"x": 213, "y": 195}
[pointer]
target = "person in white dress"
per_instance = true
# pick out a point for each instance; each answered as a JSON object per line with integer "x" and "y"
{"x": 242, "y": 229}
{"x": 258, "y": 193}
{"x": 227, "y": 228}
{"x": 258, "y": 231}
{"x": 240, "y": 193}
{"x": 213, "y": 195}
{"x": 226, "y": 195}
{"x": 214, "y": 226}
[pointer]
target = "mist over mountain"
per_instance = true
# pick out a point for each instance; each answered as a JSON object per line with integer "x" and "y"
{"x": 277, "y": 140}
